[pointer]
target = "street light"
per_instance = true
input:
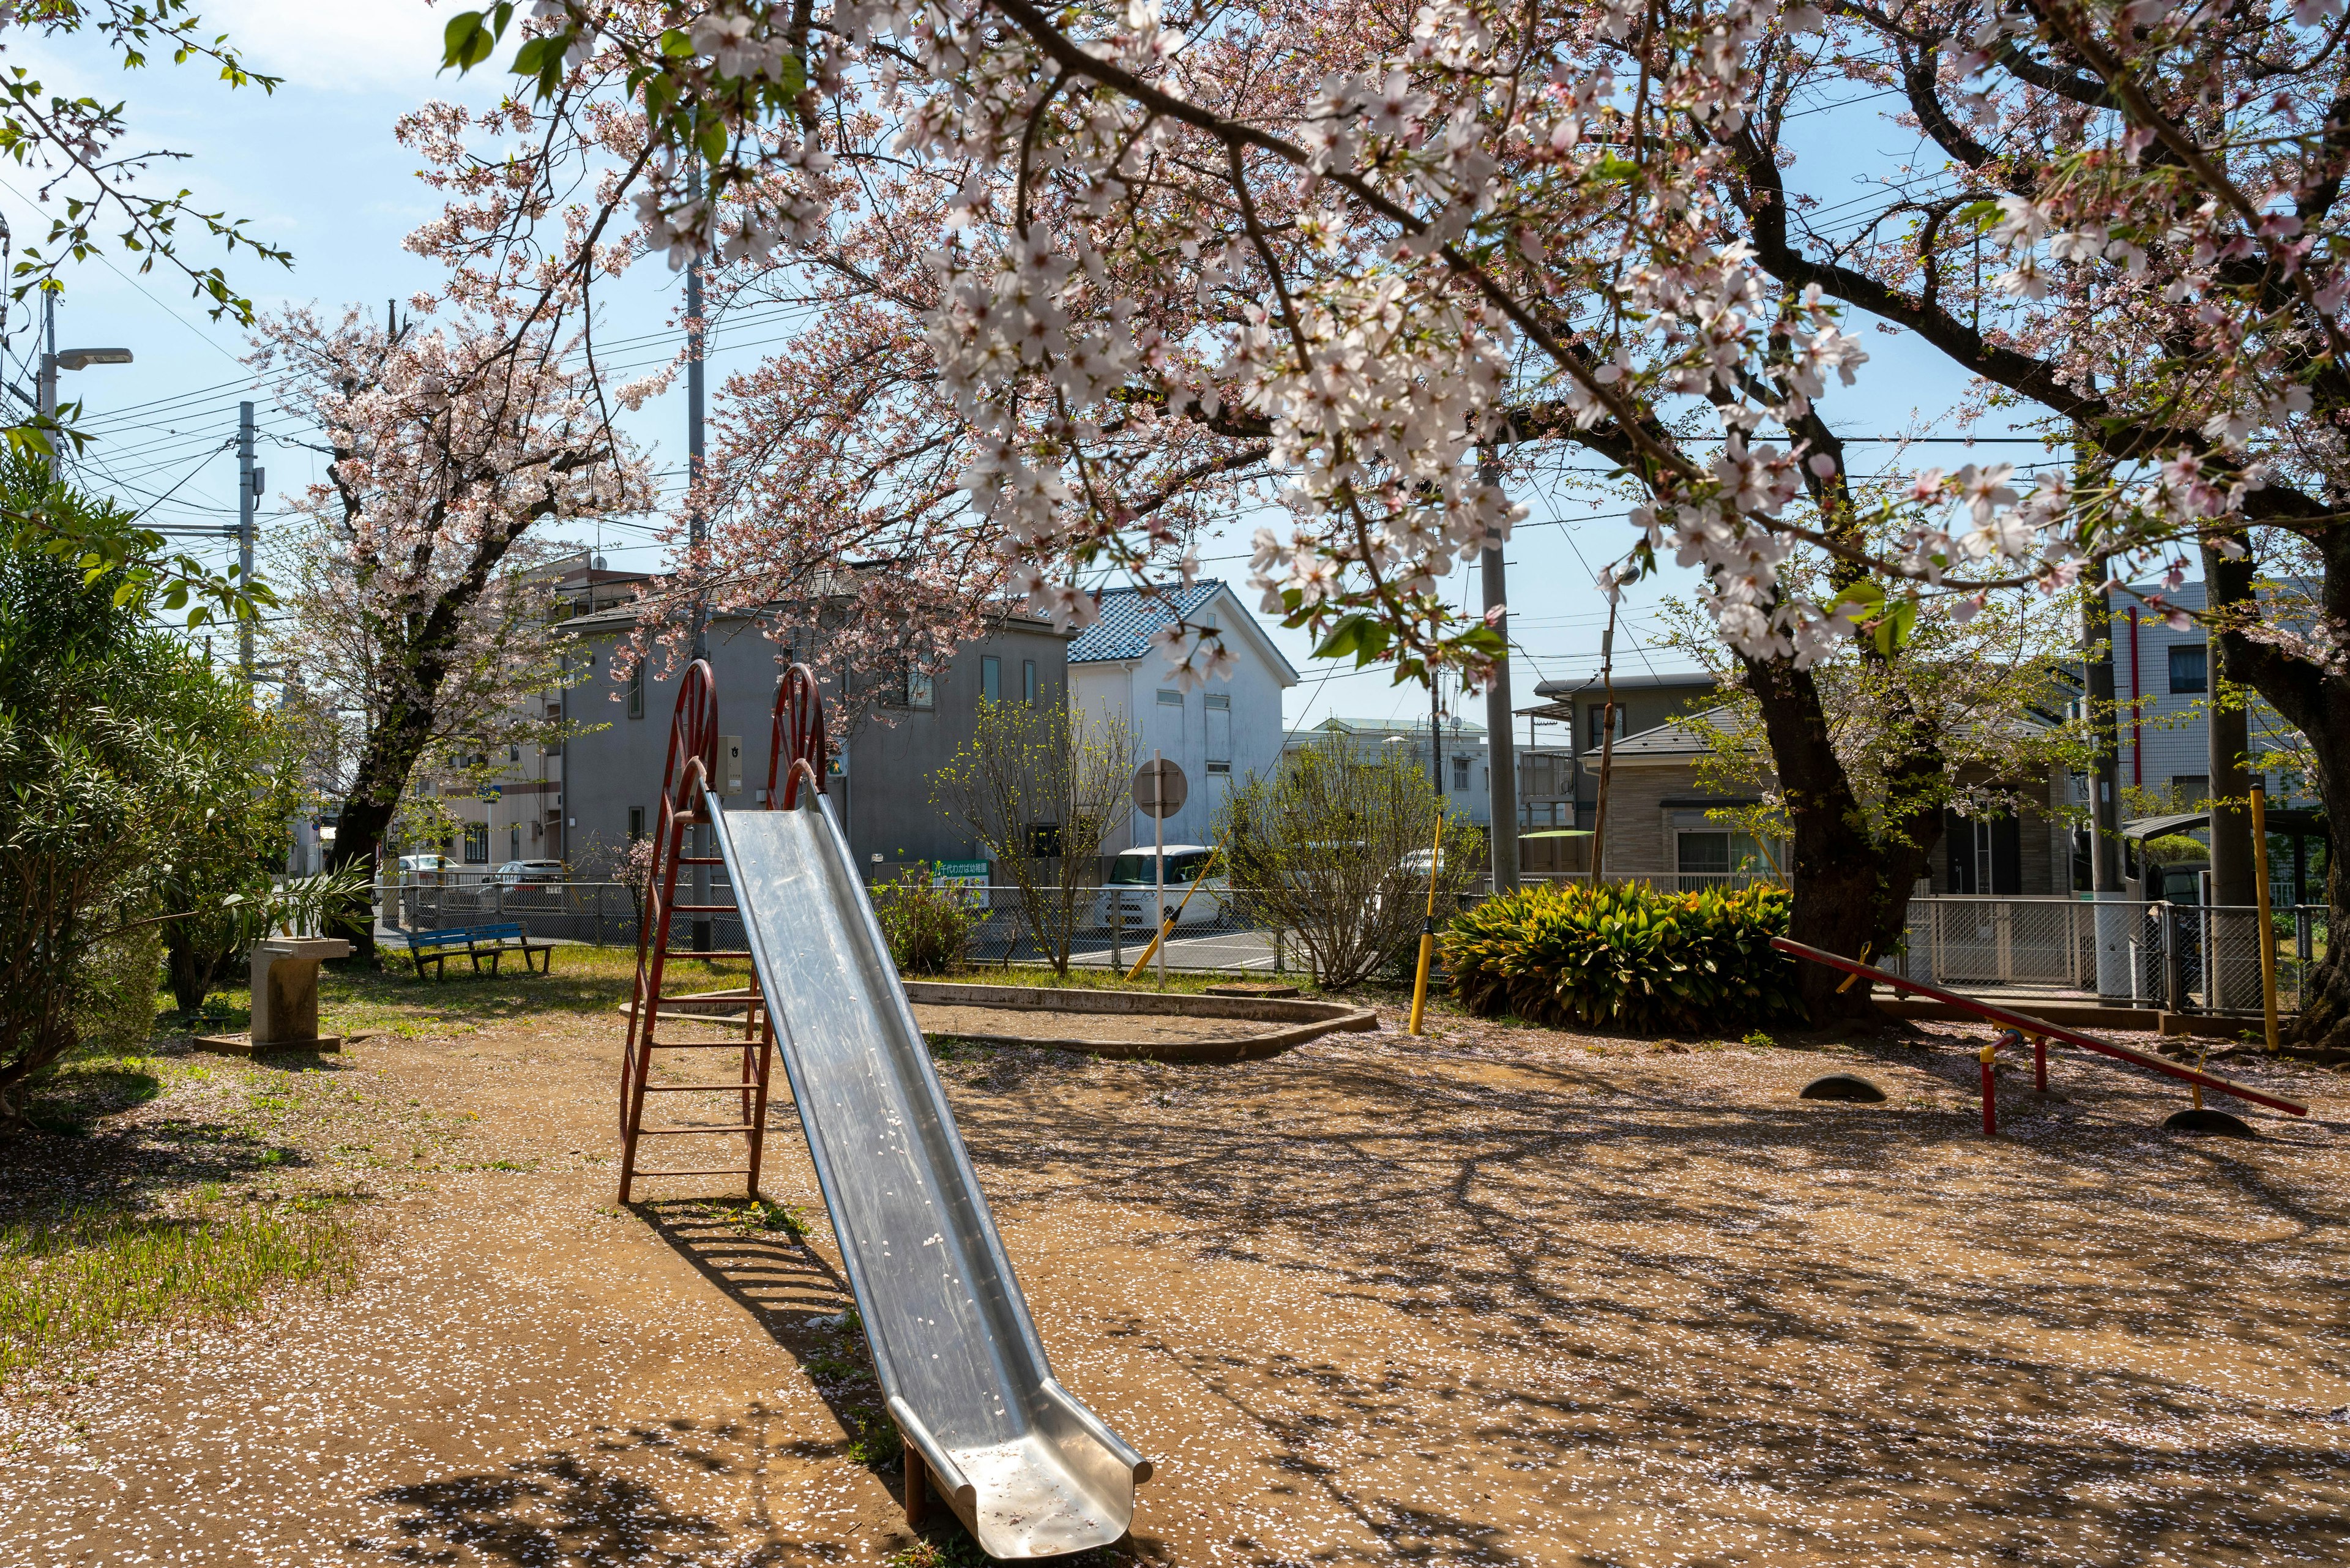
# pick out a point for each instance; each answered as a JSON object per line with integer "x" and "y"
{"x": 52, "y": 361}
{"x": 73, "y": 360}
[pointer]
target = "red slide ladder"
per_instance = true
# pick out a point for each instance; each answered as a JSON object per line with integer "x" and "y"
{"x": 798, "y": 749}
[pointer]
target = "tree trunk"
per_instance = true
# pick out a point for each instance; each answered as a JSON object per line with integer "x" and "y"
{"x": 2316, "y": 701}
{"x": 1851, "y": 886}
{"x": 191, "y": 971}
{"x": 367, "y": 814}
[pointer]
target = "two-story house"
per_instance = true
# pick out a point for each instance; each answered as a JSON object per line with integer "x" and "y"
{"x": 888, "y": 743}
{"x": 1226, "y": 731}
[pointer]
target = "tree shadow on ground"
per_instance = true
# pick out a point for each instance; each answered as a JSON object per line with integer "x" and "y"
{"x": 1819, "y": 1306}
{"x": 562, "y": 1508}
{"x": 804, "y": 1305}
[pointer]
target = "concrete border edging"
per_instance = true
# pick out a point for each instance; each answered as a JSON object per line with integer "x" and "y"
{"x": 1307, "y": 1020}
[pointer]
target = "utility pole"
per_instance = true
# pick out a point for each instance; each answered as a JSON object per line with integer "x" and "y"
{"x": 2105, "y": 790}
{"x": 1435, "y": 732}
{"x": 1607, "y": 742}
{"x": 696, "y": 528}
{"x": 248, "y": 485}
{"x": 1502, "y": 784}
{"x": 48, "y": 382}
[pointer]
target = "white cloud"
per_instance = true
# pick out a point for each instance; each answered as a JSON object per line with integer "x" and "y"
{"x": 326, "y": 44}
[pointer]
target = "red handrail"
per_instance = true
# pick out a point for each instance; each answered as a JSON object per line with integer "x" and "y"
{"x": 798, "y": 736}
{"x": 2025, "y": 1023}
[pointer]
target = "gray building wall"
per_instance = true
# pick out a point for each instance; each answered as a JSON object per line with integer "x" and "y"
{"x": 882, "y": 787}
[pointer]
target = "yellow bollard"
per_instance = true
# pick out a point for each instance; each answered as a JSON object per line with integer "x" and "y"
{"x": 1167, "y": 926}
{"x": 1428, "y": 926}
{"x": 2261, "y": 897}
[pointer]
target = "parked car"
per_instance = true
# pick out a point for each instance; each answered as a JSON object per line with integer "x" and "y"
{"x": 522, "y": 873}
{"x": 1134, "y": 874}
{"x": 427, "y": 870}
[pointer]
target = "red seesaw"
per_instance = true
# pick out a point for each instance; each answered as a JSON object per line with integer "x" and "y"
{"x": 2017, "y": 1027}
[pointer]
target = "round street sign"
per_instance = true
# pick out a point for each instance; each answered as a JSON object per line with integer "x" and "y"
{"x": 1160, "y": 788}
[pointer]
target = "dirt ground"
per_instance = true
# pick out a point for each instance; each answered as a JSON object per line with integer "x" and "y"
{"x": 1504, "y": 1295}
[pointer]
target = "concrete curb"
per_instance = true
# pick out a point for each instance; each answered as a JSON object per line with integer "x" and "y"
{"x": 1307, "y": 1020}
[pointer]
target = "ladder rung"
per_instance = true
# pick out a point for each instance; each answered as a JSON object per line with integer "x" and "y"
{"x": 677, "y": 953}
{"x": 750, "y": 1044}
{"x": 735, "y": 1170}
{"x": 701, "y": 860}
{"x": 701, "y": 909}
{"x": 691, "y": 1089}
{"x": 684, "y": 1132}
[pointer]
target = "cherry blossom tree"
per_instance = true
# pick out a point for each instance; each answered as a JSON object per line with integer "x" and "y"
{"x": 1418, "y": 251}
{"x": 419, "y": 615}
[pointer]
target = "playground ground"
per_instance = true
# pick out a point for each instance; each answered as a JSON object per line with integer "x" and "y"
{"x": 1505, "y": 1295}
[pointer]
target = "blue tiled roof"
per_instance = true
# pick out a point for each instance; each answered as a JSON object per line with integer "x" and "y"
{"x": 1128, "y": 619}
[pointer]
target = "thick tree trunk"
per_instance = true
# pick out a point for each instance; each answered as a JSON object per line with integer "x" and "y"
{"x": 1851, "y": 884}
{"x": 191, "y": 974}
{"x": 391, "y": 752}
{"x": 2316, "y": 701}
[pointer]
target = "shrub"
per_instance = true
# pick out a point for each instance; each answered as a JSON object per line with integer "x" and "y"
{"x": 1625, "y": 957}
{"x": 116, "y": 1008}
{"x": 2172, "y": 848}
{"x": 926, "y": 926}
{"x": 1335, "y": 847}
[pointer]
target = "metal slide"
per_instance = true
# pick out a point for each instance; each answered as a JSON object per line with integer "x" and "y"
{"x": 1030, "y": 1470}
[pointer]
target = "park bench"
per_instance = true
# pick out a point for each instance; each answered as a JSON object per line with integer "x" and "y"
{"x": 479, "y": 942}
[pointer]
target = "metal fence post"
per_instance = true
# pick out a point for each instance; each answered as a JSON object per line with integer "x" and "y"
{"x": 2174, "y": 962}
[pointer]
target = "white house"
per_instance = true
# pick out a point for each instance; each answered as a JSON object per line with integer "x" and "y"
{"x": 2162, "y": 683}
{"x": 1229, "y": 731}
{"x": 1464, "y": 766}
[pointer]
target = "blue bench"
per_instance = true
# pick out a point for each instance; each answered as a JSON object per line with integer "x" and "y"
{"x": 479, "y": 942}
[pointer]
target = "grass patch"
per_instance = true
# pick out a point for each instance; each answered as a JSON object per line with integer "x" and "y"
{"x": 586, "y": 982}
{"x": 82, "y": 1281}
{"x": 71, "y": 1095}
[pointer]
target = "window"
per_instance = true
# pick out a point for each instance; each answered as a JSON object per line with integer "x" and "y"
{"x": 513, "y": 752}
{"x": 1594, "y": 720}
{"x": 1029, "y": 681}
{"x": 1220, "y": 731}
{"x": 2190, "y": 670}
{"x": 477, "y": 843}
{"x": 636, "y": 823}
{"x": 1043, "y": 840}
{"x": 1460, "y": 774}
{"x": 990, "y": 679}
{"x": 637, "y": 692}
{"x": 1716, "y": 853}
{"x": 2189, "y": 791}
{"x": 1168, "y": 734}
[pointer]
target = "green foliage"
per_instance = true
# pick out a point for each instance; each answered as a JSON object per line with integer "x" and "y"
{"x": 925, "y": 926}
{"x": 1625, "y": 957}
{"x": 1042, "y": 789}
{"x": 112, "y": 758}
{"x": 2173, "y": 847}
{"x": 82, "y": 1281}
{"x": 117, "y": 1002}
{"x": 1336, "y": 848}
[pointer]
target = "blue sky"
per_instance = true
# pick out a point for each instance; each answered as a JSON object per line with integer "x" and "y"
{"x": 316, "y": 169}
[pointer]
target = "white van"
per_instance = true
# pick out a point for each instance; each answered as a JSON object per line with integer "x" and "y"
{"x": 1134, "y": 874}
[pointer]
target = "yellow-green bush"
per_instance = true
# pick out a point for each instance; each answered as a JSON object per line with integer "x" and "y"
{"x": 1625, "y": 957}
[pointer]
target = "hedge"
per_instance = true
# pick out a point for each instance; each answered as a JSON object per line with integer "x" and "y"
{"x": 1625, "y": 957}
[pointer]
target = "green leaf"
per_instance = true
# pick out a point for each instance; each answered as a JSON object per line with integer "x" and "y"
{"x": 466, "y": 41}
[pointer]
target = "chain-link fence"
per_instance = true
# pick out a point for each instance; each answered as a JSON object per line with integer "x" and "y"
{"x": 1220, "y": 929}
{"x": 2180, "y": 957}
{"x": 2185, "y": 958}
